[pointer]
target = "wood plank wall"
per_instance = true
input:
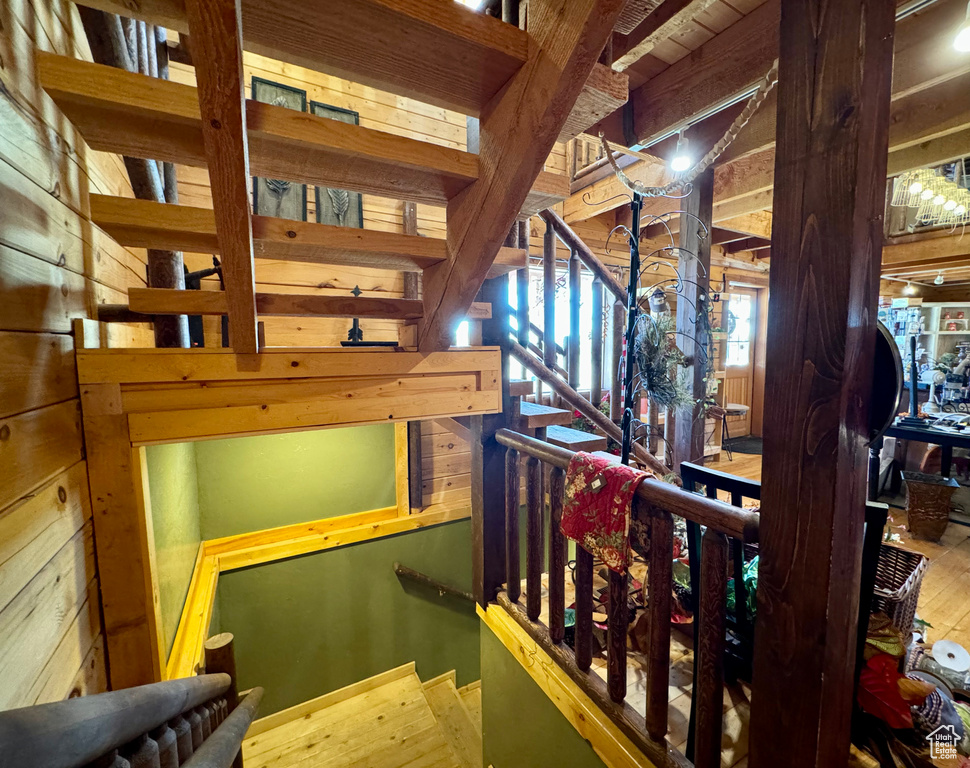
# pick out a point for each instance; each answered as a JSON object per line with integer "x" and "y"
{"x": 54, "y": 266}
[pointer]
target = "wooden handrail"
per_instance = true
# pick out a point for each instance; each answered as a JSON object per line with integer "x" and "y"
{"x": 572, "y": 241}
{"x": 221, "y": 748}
{"x": 75, "y": 732}
{"x": 731, "y": 521}
{"x": 581, "y": 404}
{"x": 420, "y": 578}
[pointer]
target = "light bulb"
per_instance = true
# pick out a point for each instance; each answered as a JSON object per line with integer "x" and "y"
{"x": 909, "y": 289}
{"x": 962, "y": 41}
{"x": 915, "y": 188}
{"x": 939, "y": 200}
{"x": 949, "y": 205}
{"x": 681, "y": 160}
{"x": 938, "y": 280}
{"x": 927, "y": 194}
{"x": 960, "y": 210}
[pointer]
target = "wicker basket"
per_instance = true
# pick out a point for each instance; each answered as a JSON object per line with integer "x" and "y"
{"x": 899, "y": 577}
{"x": 928, "y": 504}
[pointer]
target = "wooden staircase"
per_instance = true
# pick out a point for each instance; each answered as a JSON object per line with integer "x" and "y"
{"x": 391, "y": 720}
{"x": 523, "y": 84}
{"x": 550, "y": 424}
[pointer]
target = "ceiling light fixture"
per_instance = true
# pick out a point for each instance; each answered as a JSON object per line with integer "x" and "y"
{"x": 680, "y": 163}
{"x": 909, "y": 289}
{"x": 938, "y": 280}
{"x": 962, "y": 41}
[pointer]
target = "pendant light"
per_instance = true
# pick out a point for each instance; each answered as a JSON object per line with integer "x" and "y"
{"x": 962, "y": 41}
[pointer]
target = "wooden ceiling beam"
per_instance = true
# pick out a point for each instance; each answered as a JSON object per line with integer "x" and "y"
{"x": 666, "y": 19}
{"x": 517, "y": 133}
{"x": 217, "y": 42}
{"x": 440, "y": 53}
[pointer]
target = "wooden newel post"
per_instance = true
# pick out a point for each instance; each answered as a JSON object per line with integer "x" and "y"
{"x": 220, "y": 657}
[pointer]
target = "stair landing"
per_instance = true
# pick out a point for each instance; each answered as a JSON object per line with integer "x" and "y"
{"x": 391, "y": 720}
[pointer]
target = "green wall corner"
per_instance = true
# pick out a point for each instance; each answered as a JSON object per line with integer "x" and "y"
{"x": 521, "y": 727}
{"x": 252, "y": 483}
{"x": 175, "y": 521}
{"x": 310, "y": 625}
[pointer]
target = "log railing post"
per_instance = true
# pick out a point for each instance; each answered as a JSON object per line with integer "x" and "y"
{"x": 618, "y": 619}
{"x": 584, "y": 608}
{"x": 220, "y": 656}
{"x": 710, "y": 650}
{"x": 575, "y": 300}
{"x": 533, "y": 554}
{"x": 659, "y": 576}
{"x": 512, "y": 477}
{"x": 557, "y": 557}
{"x": 598, "y": 327}
{"x": 549, "y": 298}
{"x": 616, "y": 374}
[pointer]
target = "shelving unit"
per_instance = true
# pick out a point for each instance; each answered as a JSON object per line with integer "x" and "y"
{"x": 931, "y": 320}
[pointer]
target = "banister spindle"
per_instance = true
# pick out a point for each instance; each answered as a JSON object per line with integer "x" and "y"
{"x": 205, "y": 721}
{"x": 549, "y": 300}
{"x": 659, "y": 580}
{"x": 142, "y": 752}
{"x": 575, "y": 296}
{"x": 618, "y": 618}
{"x": 165, "y": 738}
{"x": 195, "y": 726}
{"x": 616, "y": 379}
{"x": 183, "y": 738}
{"x": 557, "y": 557}
{"x": 710, "y": 649}
{"x": 533, "y": 564}
{"x": 584, "y": 608}
{"x": 513, "y": 577}
{"x": 598, "y": 328}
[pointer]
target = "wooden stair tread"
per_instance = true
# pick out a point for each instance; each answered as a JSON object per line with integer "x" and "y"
{"x": 471, "y": 696}
{"x": 389, "y": 726}
{"x": 454, "y": 720}
{"x": 438, "y": 53}
{"x": 147, "y": 224}
{"x": 140, "y": 116}
{"x": 169, "y": 301}
{"x": 533, "y": 415}
{"x": 575, "y": 439}
{"x": 521, "y": 387}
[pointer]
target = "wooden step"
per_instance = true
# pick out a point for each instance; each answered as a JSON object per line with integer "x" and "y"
{"x": 437, "y": 52}
{"x": 521, "y": 387}
{"x": 533, "y": 415}
{"x": 387, "y": 726}
{"x": 454, "y": 720}
{"x": 167, "y": 301}
{"x": 575, "y": 439}
{"x": 140, "y": 116}
{"x": 471, "y": 696}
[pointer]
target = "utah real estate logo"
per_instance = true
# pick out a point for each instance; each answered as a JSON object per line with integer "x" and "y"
{"x": 943, "y": 743}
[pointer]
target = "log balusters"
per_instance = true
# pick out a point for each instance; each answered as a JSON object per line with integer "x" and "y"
{"x": 655, "y": 505}
{"x": 512, "y": 497}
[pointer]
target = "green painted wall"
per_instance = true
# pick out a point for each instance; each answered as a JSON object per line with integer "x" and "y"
{"x": 174, "y": 495}
{"x": 313, "y": 624}
{"x": 521, "y": 727}
{"x": 251, "y": 483}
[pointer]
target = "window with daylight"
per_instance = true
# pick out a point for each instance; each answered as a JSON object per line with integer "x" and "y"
{"x": 737, "y": 323}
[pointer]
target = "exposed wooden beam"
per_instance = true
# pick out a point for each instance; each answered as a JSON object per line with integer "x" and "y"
{"x": 604, "y": 93}
{"x": 517, "y": 134}
{"x": 217, "y": 41}
{"x": 138, "y": 116}
{"x": 833, "y": 135}
{"x": 165, "y": 301}
{"x": 747, "y": 244}
{"x": 439, "y": 53}
{"x": 661, "y": 23}
{"x": 928, "y": 249}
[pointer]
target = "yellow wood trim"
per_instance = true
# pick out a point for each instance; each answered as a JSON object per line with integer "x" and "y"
{"x": 296, "y": 531}
{"x": 608, "y": 741}
{"x": 305, "y": 708}
{"x": 319, "y": 542}
{"x": 139, "y": 464}
{"x": 401, "y": 474}
{"x": 188, "y": 649}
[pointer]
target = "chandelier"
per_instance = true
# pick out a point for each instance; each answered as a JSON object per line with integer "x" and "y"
{"x": 940, "y": 198}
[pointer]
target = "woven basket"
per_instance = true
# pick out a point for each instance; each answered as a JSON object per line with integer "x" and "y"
{"x": 928, "y": 504}
{"x": 899, "y": 577}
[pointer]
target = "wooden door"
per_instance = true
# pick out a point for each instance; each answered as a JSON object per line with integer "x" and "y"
{"x": 740, "y": 321}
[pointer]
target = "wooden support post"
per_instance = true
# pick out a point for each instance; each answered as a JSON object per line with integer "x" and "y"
{"x": 410, "y": 226}
{"x": 575, "y": 300}
{"x": 830, "y": 167}
{"x": 220, "y": 657}
{"x": 695, "y": 270}
{"x": 488, "y": 460}
{"x": 598, "y": 328}
{"x": 522, "y": 287}
{"x": 549, "y": 301}
{"x": 616, "y": 374}
{"x": 415, "y": 471}
{"x": 216, "y": 29}
{"x": 122, "y": 540}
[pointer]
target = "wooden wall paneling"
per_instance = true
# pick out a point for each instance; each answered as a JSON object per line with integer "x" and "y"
{"x": 833, "y": 124}
{"x": 122, "y": 540}
{"x": 38, "y": 370}
{"x": 216, "y": 31}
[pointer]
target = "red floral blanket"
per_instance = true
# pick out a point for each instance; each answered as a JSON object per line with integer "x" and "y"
{"x": 596, "y": 512}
